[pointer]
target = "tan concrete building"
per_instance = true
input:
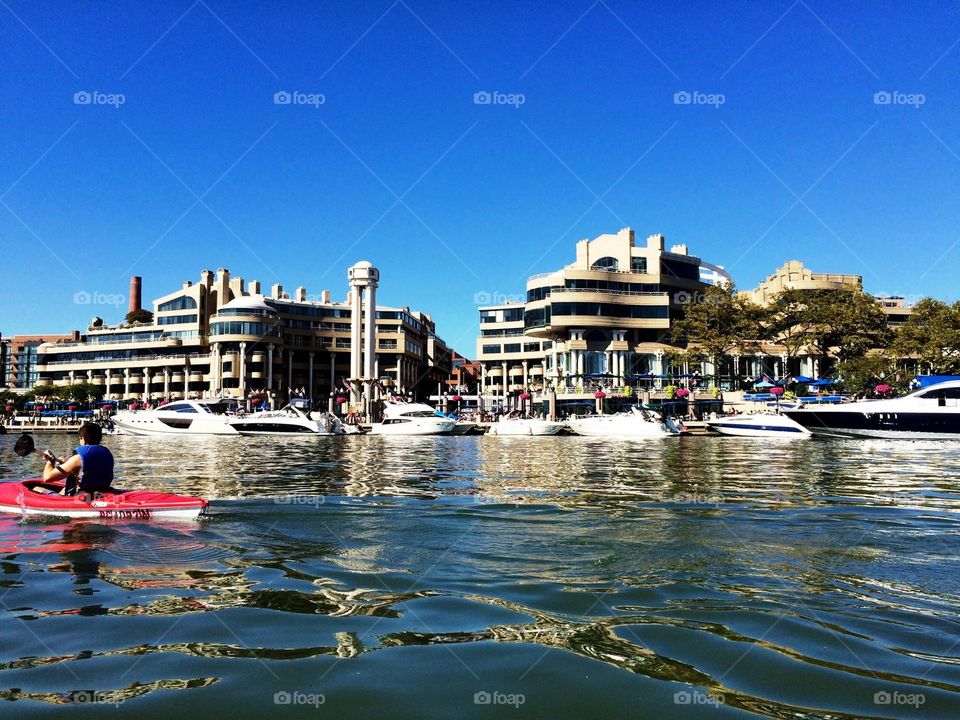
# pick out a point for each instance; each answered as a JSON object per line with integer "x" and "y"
{"x": 222, "y": 335}
{"x": 607, "y": 314}
{"x": 794, "y": 276}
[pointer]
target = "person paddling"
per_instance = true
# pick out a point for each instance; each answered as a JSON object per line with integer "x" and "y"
{"x": 92, "y": 462}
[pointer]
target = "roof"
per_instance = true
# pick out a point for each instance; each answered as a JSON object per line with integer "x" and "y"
{"x": 248, "y": 302}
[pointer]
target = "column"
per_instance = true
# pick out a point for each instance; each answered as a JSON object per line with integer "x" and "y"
{"x": 506, "y": 384}
{"x": 126, "y": 383}
{"x": 579, "y": 354}
{"x": 783, "y": 366}
{"x": 333, "y": 369}
{"x": 166, "y": 382}
{"x": 290, "y": 369}
{"x": 370, "y": 345}
{"x": 243, "y": 371}
{"x": 310, "y": 375}
{"x": 356, "y": 321}
{"x": 186, "y": 378}
{"x": 269, "y": 369}
{"x": 146, "y": 383}
{"x": 214, "y": 370}
{"x": 109, "y": 377}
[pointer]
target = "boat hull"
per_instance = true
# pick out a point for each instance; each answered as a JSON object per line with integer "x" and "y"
{"x": 18, "y": 497}
{"x": 771, "y": 426}
{"x": 136, "y": 423}
{"x": 889, "y": 425}
{"x": 525, "y": 427}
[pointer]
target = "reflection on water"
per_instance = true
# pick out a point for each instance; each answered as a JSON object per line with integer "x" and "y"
{"x": 783, "y": 580}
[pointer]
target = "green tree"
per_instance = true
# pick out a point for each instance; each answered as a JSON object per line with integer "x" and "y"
{"x": 788, "y": 323}
{"x": 862, "y": 373}
{"x": 931, "y": 336}
{"x": 81, "y": 393}
{"x": 843, "y": 323}
{"x": 140, "y": 316}
{"x": 721, "y": 324}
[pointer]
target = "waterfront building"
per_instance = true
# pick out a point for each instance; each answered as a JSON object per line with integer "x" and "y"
{"x": 607, "y": 314}
{"x": 225, "y": 336}
{"x": 18, "y": 358}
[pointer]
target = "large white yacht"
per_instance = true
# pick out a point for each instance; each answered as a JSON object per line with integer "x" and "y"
{"x": 404, "y": 418}
{"x": 183, "y": 417}
{"x": 635, "y": 423}
{"x": 517, "y": 425}
{"x": 931, "y": 413}
{"x": 286, "y": 420}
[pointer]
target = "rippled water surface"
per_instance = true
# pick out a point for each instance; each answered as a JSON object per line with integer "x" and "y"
{"x": 497, "y": 577}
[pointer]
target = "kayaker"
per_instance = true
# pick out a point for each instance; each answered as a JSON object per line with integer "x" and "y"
{"x": 92, "y": 462}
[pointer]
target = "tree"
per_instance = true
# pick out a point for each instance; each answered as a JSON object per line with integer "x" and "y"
{"x": 788, "y": 323}
{"x": 931, "y": 335}
{"x": 723, "y": 323}
{"x": 140, "y": 316}
{"x": 861, "y": 374}
{"x": 844, "y": 323}
{"x": 81, "y": 393}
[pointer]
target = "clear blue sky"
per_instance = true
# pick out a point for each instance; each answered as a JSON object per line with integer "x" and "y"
{"x": 199, "y": 168}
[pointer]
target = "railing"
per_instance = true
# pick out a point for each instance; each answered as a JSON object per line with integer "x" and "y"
{"x": 602, "y": 291}
{"x": 130, "y": 361}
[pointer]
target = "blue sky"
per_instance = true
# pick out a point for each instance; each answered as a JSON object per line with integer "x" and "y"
{"x": 784, "y": 153}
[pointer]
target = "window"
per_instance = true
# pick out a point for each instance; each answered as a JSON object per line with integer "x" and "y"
{"x": 638, "y": 264}
{"x": 513, "y": 314}
{"x": 387, "y": 344}
{"x": 511, "y": 348}
{"x": 245, "y": 328}
{"x": 488, "y": 316}
{"x": 184, "y": 302}
{"x": 180, "y": 408}
{"x": 606, "y": 263}
{"x": 531, "y": 347}
{"x": 177, "y": 319}
{"x": 491, "y": 349}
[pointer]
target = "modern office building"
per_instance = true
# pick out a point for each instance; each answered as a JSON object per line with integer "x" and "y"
{"x": 18, "y": 358}
{"x": 608, "y": 313}
{"x": 222, "y": 335}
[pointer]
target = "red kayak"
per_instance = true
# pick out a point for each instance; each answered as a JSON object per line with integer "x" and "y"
{"x": 22, "y": 497}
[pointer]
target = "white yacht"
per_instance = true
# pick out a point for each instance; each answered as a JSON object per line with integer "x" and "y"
{"x": 931, "y": 413}
{"x": 184, "y": 417}
{"x": 770, "y": 422}
{"x": 636, "y": 423}
{"x": 507, "y": 425}
{"x": 405, "y": 418}
{"x": 289, "y": 419}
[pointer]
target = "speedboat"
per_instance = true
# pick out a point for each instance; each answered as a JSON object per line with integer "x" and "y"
{"x": 635, "y": 423}
{"x": 765, "y": 423}
{"x": 184, "y": 417}
{"x": 462, "y": 427}
{"x": 289, "y": 419}
{"x": 405, "y": 418}
{"x": 507, "y": 425}
{"x": 36, "y": 497}
{"x": 930, "y": 413}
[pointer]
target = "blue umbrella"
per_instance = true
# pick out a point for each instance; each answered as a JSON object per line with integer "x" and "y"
{"x": 803, "y": 379}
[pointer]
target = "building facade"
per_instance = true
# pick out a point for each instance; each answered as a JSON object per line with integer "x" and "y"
{"x": 18, "y": 358}
{"x": 607, "y": 314}
{"x": 223, "y": 336}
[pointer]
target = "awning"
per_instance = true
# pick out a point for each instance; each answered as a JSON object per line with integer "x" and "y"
{"x": 803, "y": 379}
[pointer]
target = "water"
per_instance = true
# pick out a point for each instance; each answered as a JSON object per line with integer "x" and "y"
{"x": 497, "y": 577}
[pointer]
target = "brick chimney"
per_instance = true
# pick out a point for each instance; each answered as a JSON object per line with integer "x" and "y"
{"x": 135, "y": 295}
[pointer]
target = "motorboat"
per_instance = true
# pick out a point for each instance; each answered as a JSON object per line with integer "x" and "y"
{"x": 462, "y": 427}
{"x": 517, "y": 425}
{"x": 770, "y": 422}
{"x": 407, "y": 418}
{"x": 288, "y": 419}
{"x": 930, "y": 413}
{"x": 184, "y": 417}
{"x": 634, "y": 423}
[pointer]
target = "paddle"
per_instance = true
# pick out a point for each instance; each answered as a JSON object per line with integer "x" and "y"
{"x": 25, "y": 445}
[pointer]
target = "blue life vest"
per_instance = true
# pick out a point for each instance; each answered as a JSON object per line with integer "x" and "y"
{"x": 96, "y": 467}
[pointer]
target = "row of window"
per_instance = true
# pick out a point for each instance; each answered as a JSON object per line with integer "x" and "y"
{"x": 501, "y": 333}
{"x": 319, "y": 311}
{"x": 508, "y": 315}
{"x": 541, "y": 316}
{"x": 238, "y": 327}
{"x": 514, "y": 348}
{"x": 599, "y": 285}
{"x": 177, "y": 319}
{"x": 637, "y": 264}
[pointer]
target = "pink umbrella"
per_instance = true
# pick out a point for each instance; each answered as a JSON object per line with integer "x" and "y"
{"x": 599, "y": 394}
{"x": 882, "y": 388}
{"x": 682, "y": 392}
{"x": 776, "y": 391}
{"x": 525, "y": 396}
